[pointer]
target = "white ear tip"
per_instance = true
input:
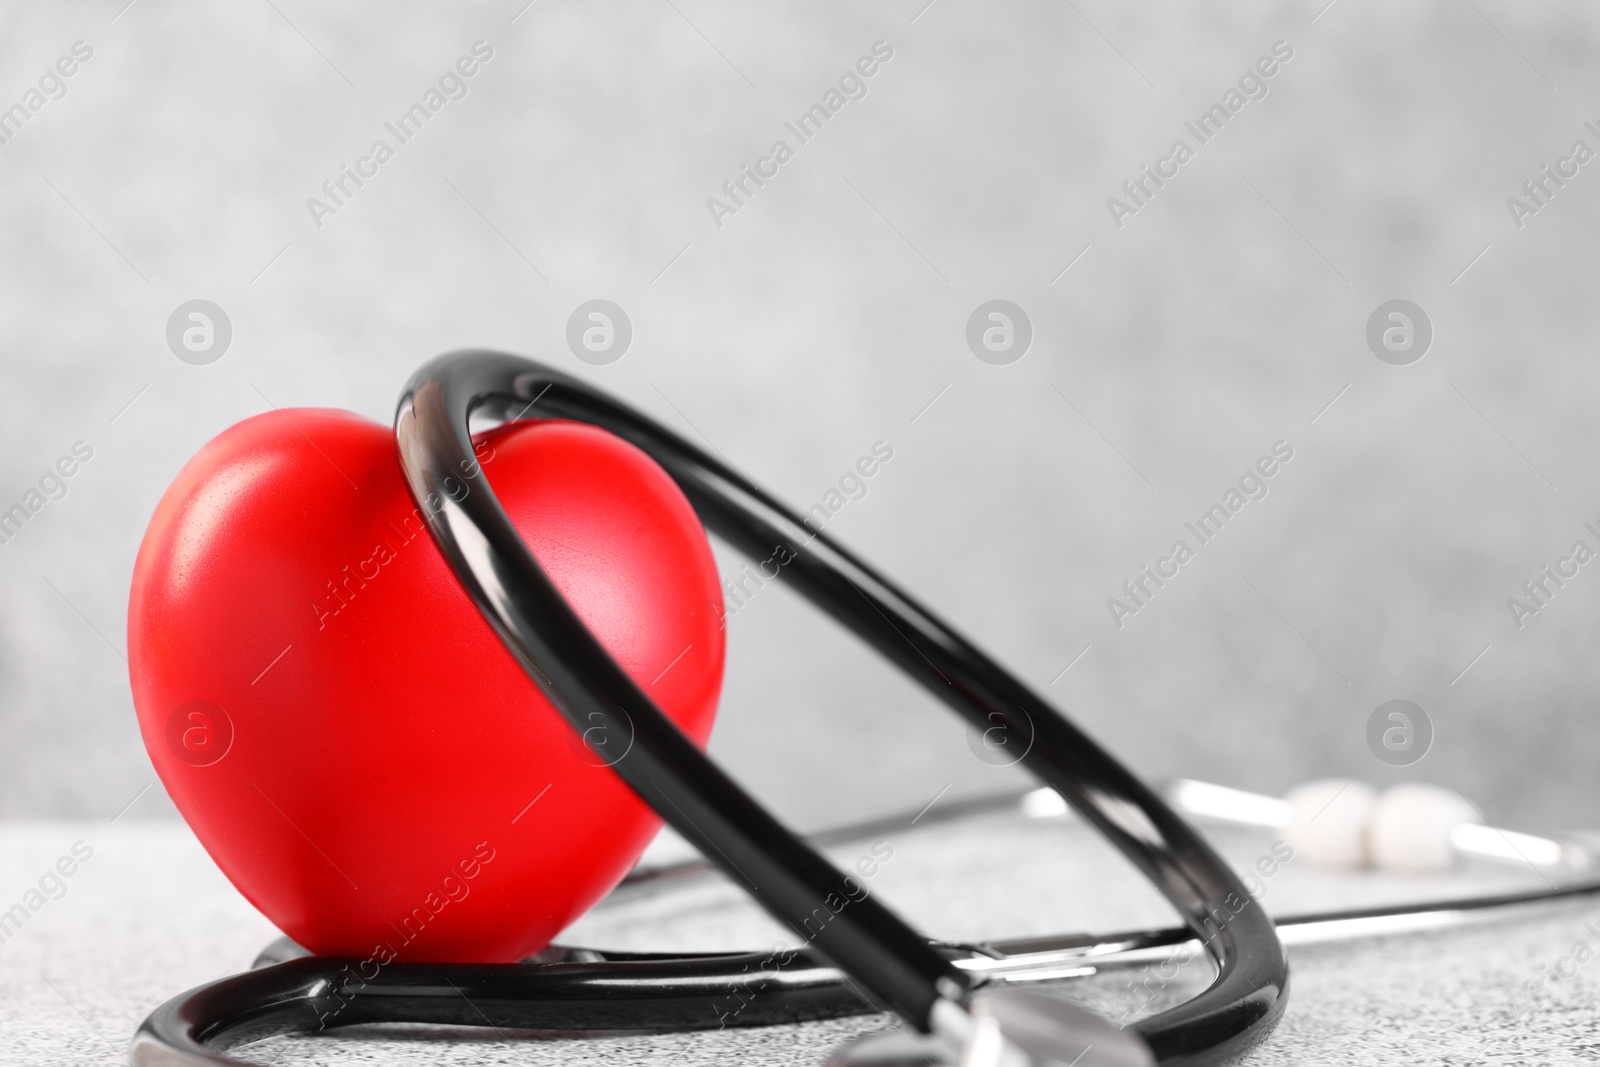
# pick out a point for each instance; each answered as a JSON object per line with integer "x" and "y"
{"x": 1328, "y": 820}
{"x": 1409, "y": 828}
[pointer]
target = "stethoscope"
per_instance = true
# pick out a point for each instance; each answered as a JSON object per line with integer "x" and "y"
{"x": 960, "y": 1003}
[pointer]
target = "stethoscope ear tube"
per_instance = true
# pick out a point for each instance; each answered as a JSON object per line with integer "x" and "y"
{"x": 890, "y": 962}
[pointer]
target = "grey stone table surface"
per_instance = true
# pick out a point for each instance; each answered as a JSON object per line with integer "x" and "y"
{"x": 147, "y": 915}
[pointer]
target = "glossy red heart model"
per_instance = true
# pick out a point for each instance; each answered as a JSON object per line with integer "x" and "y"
{"x": 341, "y": 728}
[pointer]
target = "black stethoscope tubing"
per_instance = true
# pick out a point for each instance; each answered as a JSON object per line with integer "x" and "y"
{"x": 575, "y": 990}
{"x": 877, "y": 956}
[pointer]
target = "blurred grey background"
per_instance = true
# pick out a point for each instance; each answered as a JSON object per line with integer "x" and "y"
{"x": 830, "y": 312}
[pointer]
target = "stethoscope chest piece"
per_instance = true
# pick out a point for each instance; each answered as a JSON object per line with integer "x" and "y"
{"x": 1005, "y": 1022}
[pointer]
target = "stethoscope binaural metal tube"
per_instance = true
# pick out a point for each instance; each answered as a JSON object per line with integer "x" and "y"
{"x": 886, "y": 958}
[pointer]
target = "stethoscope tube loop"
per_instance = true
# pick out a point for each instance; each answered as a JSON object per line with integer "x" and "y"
{"x": 891, "y": 962}
{"x": 886, "y": 957}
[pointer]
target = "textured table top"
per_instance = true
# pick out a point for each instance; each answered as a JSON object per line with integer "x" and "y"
{"x": 147, "y": 915}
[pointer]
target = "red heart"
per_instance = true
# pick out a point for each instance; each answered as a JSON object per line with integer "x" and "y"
{"x": 341, "y": 728}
